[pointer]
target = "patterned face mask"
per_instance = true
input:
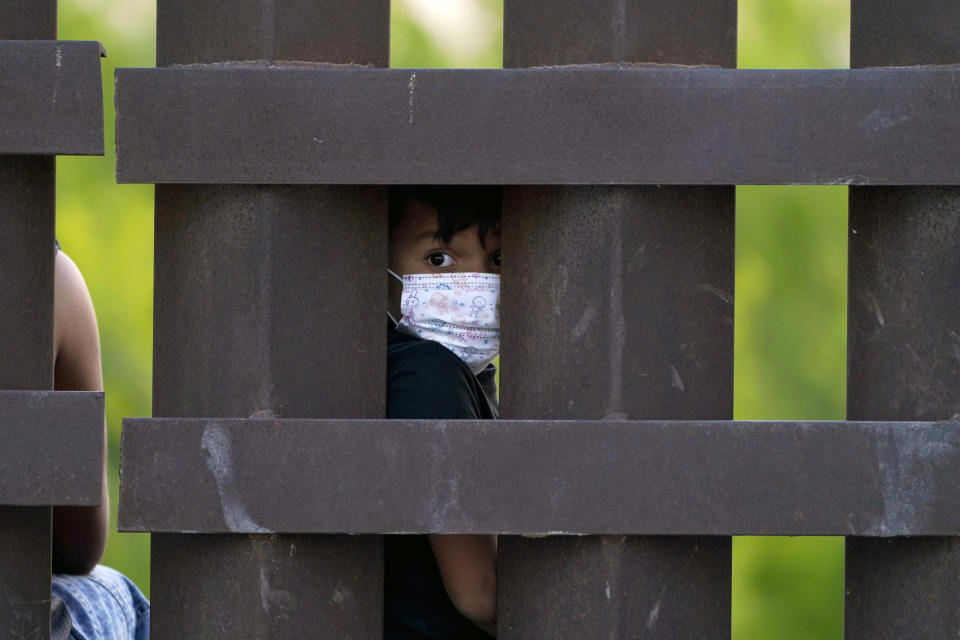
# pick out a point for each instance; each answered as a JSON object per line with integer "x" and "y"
{"x": 461, "y": 311}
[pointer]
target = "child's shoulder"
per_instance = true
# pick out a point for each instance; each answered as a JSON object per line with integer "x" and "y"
{"x": 412, "y": 353}
{"x": 425, "y": 380}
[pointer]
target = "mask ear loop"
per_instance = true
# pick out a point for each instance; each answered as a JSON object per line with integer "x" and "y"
{"x": 396, "y": 323}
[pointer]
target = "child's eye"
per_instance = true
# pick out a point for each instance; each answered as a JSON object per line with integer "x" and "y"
{"x": 496, "y": 259}
{"x": 440, "y": 259}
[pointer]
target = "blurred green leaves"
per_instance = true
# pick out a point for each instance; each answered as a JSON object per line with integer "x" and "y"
{"x": 790, "y": 314}
{"x": 787, "y": 588}
{"x": 790, "y": 329}
{"x": 790, "y": 287}
{"x": 108, "y": 230}
{"x": 793, "y": 34}
{"x": 446, "y": 33}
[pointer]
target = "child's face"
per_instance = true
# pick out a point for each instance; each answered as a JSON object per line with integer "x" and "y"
{"x": 415, "y": 249}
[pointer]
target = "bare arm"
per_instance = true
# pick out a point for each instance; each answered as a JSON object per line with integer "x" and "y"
{"x": 468, "y": 567}
{"x": 79, "y": 533}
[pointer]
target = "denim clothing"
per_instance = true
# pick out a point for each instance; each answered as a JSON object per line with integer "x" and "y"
{"x": 102, "y": 605}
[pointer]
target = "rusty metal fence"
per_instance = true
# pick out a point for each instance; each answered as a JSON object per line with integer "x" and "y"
{"x": 617, "y": 476}
{"x": 51, "y": 103}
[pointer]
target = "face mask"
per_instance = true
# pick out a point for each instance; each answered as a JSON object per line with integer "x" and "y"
{"x": 461, "y": 311}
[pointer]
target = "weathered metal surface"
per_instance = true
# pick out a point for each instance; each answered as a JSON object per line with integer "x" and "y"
{"x": 616, "y": 477}
{"x": 630, "y": 587}
{"x": 28, "y": 19}
{"x": 27, "y": 203}
{"x": 51, "y": 99}
{"x": 27, "y": 207}
{"x": 895, "y": 33}
{"x": 915, "y": 579}
{"x": 903, "y": 348}
{"x": 904, "y": 363}
{"x": 546, "y": 32}
{"x": 26, "y": 342}
{"x": 329, "y": 31}
{"x": 259, "y": 307}
{"x": 52, "y": 447}
{"x": 904, "y": 310}
{"x": 625, "y": 295}
{"x": 258, "y": 311}
{"x": 616, "y": 125}
{"x": 266, "y": 586}
{"x": 25, "y": 572}
{"x": 263, "y": 301}
{"x": 599, "y": 274}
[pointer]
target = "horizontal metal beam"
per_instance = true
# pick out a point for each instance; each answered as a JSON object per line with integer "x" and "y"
{"x": 52, "y": 451}
{"x": 51, "y": 98}
{"x": 540, "y": 477}
{"x": 566, "y": 125}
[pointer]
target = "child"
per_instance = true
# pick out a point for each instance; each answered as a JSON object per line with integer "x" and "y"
{"x": 89, "y": 601}
{"x": 444, "y": 266}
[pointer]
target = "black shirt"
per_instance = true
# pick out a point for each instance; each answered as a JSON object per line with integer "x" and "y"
{"x": 425, "y": 380}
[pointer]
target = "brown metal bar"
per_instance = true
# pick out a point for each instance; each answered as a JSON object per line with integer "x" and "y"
{"x": 52, "y": 448}
{"x": 50, "y": 102}
{"x": 51, "y": 99}
{"x": 244, "y": 325}
{"x": 28, "y": 20}
{"x": 916, "y": 577}
{"x": 612, "y": 477}
{"x": 27, "y": 201}
{"x": 643, "y": 587}
{"x": 904, "y": 309}
{"x": 328, "y": 31}
{"x": 888, "y": 33}
{"x": 548, "y": 33}
{"x": 571, "y": 125}
{"x": 25, "y": 572}
{"x": 581, "y": 268}
{"x": 639, "y": 328}
{"x": 251, "y": 286}
{"x": 902, "y": 344}
{"x": 281, "y": 579}
{"x": 263, "y": 301}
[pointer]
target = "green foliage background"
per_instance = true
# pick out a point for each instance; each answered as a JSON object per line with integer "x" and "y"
{"x": 790, "y": 287}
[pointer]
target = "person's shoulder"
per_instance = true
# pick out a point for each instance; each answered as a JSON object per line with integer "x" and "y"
{"x": 425, "y": 380}
{"x": 411, "y": 352}
{"x": 75, "y": 332}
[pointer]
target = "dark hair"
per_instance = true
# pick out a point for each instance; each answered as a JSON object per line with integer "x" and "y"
{"x": 458, "y": 207}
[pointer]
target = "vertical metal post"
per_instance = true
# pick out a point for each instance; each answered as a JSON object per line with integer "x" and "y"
{"x": 28, "y": 20}
{"x": 265, "y": 305}
{"x": 27, "y": 200}
{"x": 539, "y": 32}
{"x": 618, "y": 303}
{"x": 28, "y": 206}
{"x": 904, "y": 337}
